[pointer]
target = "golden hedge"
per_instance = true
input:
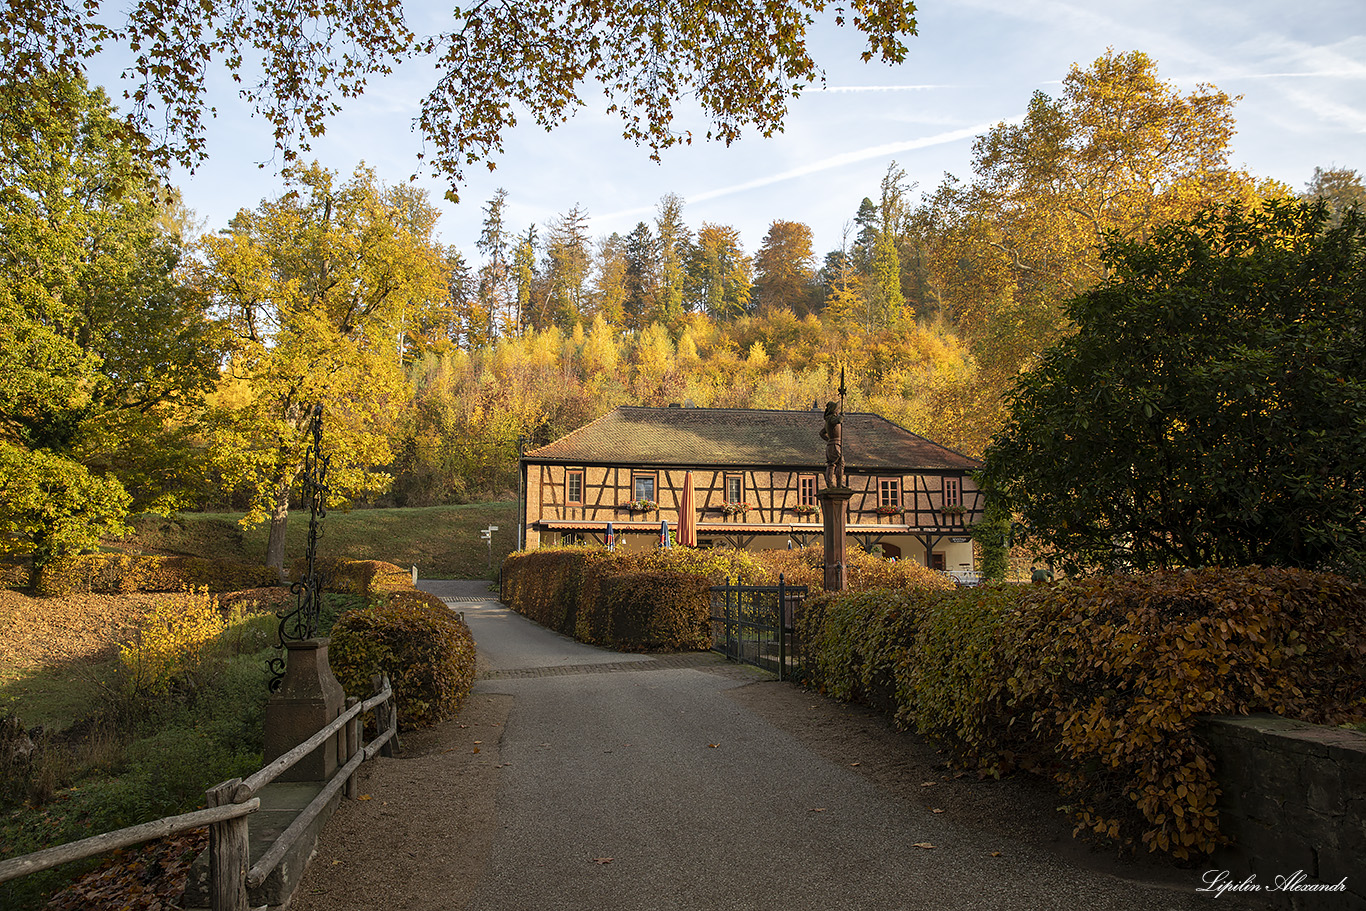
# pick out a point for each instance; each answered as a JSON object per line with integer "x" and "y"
{"x": 122, "y": 573}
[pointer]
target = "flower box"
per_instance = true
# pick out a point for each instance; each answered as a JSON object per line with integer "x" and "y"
{"x": 642, "y": 506}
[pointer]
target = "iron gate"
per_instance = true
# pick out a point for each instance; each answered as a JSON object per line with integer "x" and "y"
{"x": 753, "y": 624}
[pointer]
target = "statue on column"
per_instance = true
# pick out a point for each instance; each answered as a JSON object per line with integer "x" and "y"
{"x": 832, "y": 433}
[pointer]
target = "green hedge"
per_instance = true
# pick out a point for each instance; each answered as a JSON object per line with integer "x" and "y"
{"x": 424, "y": 647}
{"x": 122, "y": 573}
{"x": 1100, "y": 682}
{"x": 629, "y": 601}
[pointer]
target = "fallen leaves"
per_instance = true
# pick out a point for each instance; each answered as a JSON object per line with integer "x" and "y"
{"x": 602, "y": 861}
{"x": 148, "y": 878}
{"x": 923, "y": 844}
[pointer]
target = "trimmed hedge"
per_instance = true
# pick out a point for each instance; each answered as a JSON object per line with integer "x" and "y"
{"x": 630, "y": 601}
{"x": 424, "y": 647}
{"x": 123, "y": 573}
{"x": 1100, "y": 682}
{"x": 862, "y": 570}
{"x": 356, "y": 577}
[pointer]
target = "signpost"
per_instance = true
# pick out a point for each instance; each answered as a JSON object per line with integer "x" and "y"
{"x": 487, "y": 535}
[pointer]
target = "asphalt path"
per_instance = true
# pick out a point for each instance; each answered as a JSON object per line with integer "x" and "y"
{"x": 634, "y": 782}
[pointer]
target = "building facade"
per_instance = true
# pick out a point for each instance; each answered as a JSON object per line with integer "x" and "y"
{"x": 756, "y": 477}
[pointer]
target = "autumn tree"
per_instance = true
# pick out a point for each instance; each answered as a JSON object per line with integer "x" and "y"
{"x": 524, "y": 277}
{"x": 1210, "y": 407}
{"x": 567, "y": 268}
{"x": 1119, "y": 152}
{"x": 1339, "y": 188}
{"x": 675, "y": 243}
{"x": 610, "y": 285}
{"x": 719, "y": 273}
{"x": 783, "y": 271}
{"x": 642, "y": 277}
{"x": 495, "y": 62}
{"x": 103, "y": 346}
{"x": 316, "y": 287}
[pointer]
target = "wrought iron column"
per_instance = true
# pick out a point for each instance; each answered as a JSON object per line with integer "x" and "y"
{"x": 301, "y": 623}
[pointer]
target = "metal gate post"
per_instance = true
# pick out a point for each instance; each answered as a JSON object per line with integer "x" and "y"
{"x": 782, "y": 625}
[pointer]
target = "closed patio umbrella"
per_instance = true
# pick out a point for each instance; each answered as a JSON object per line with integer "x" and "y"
{"x": 664, "y": 533}
{"x": 687, "y": 514}
{"x": 611, "y": 540}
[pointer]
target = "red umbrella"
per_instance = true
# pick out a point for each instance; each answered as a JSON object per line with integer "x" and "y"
{"x": 687, "y": 515}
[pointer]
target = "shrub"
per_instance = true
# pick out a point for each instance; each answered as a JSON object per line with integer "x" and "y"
{"x": 1114, "y": 671}
{"x": 357, "y": 577}
{"x": 655, "y": 609}
{"x": 806, "y": 566}
{"x": 123, "y": 573}
{"x": 578, "y": 591}
{"x": 171, "y": 644}
{"x": 1100, "y": 682}
{"x": 424, "y": 647}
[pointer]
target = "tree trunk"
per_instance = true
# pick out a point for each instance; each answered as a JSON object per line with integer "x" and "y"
{"x": 279, "y": 518}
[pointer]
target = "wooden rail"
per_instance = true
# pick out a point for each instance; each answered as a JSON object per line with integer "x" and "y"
{"x": 230, "y": 803}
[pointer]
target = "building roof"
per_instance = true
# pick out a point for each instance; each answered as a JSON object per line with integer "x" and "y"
{"x": 741, "y": 436}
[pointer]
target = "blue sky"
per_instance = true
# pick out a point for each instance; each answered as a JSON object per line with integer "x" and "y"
{"x": 1300, "y": 67}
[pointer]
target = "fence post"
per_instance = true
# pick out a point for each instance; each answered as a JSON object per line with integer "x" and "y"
{"x": 228, "y": 853}
{"x": 351, "y": 744}
{"x": 384, "y": 714}
{"x": 782, "y": 625}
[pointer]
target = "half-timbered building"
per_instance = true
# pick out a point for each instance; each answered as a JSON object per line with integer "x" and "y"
{"x": 756, "y": 477}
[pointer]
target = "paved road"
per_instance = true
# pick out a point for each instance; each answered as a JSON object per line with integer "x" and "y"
{"x": 631, "y": 782}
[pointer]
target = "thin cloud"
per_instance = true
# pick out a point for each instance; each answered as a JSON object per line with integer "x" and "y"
{"x": 882, "y": 88}
{"x": 885, "y": 150}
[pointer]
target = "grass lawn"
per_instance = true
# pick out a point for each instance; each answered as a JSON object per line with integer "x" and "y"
{"x": 443, "y": 542}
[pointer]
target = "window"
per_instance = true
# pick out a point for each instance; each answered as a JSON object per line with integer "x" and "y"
{"x": 806, "y": 490}
{"x": 889, "y": 492}
{"x": 953, "y": 492}
{"x": 644, "y": 486}
{"x": 735, "y": 488}
{"x": 573, "y": 488}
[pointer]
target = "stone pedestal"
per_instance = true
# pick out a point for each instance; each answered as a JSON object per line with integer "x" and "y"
{"x": 309, "y": 699}
{"x": 834, "y": 505}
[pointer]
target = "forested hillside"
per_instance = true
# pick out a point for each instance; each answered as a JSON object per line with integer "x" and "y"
{"x": 151, "y": 366}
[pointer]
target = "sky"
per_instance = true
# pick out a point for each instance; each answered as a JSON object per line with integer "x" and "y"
{"x": 1300, "y": 68}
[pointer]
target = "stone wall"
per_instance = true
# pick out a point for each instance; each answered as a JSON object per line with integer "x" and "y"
{"x": 1294, "y": 802}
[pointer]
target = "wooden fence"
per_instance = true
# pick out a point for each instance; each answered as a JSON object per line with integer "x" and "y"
{"x": 232, "y": 802}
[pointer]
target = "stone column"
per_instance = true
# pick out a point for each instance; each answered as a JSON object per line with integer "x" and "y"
{"x": 834, "y": 502}
{"x": 308, "y": 700}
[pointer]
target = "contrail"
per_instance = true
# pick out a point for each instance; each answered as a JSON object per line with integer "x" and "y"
{"x": 882, "y": 88}
{"x": 834, "y": 161}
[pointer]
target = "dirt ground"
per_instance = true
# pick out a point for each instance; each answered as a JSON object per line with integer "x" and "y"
{"x": 451, "y": 772}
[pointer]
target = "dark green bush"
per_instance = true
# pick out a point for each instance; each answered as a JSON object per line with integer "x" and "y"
{"x": 424, "y": 647}
{"x": 122, "y": 573}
